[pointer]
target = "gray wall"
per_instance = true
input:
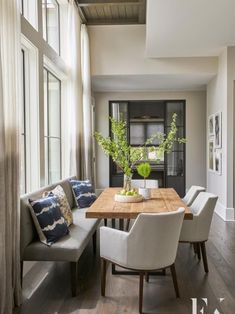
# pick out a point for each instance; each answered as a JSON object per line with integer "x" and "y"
{"x": 220, "y": 98}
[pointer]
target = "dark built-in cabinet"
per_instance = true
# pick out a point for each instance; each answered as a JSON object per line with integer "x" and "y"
{"x": 145, "y": 118}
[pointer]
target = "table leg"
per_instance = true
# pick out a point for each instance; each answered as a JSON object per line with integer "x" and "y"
{"x": 113, "y": 265}
{"x": 121, "y": 224}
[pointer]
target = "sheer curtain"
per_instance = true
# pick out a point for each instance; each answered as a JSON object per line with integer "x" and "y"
{"x": 78, "y": 111}
{"x": 87, "y": 104}
{"x": 73, "y": 112}
{"x": 10, "y": 96}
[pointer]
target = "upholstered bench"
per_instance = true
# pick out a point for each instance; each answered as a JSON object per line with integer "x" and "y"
{"x": 69, "y": 247}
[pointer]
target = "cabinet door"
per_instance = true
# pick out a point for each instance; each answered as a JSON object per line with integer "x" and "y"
{"x": 177, "y": 107}
{"x": 175, "y": 164}
{"x": 119, "y": 110}
{"x": 175, "y": 161}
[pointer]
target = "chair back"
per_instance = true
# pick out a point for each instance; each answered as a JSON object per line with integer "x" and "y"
{"x": 139, "y": 183}
{"x": 153, "y": 240}
{"x": 203, "y": 209}
{"x": 192, "y": 194}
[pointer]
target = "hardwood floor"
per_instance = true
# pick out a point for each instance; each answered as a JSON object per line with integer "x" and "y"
{"x": 46, "y": 286}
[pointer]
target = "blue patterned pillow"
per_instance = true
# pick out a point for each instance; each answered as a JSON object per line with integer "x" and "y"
{"x": 83, "y": 192}
{"x": 49, "y": 222}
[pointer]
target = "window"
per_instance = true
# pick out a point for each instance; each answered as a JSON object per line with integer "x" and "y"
{"x": 23, "y": 132}
{"x": 52, "y": 127}
{"x": 51, "y": 23}
{"x": 30, "y": 12}
{"x": 30, "y": 131}
{"x": 44, "y": 71}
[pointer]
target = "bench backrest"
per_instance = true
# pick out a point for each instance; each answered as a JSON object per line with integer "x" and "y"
{"x": 27, "y": 229}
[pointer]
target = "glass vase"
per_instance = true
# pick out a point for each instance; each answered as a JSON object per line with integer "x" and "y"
{"x": 127, "y": 182}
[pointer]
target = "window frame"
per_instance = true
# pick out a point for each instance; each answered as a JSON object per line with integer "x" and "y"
{"x": 32, "y": 129}
{"x": 47, "y": 122}
{"x": 46, "y": 28}
{"x": 33, "y": 19}
{"x": 23, "y": 131}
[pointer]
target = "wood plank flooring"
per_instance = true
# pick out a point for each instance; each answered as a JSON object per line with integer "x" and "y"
{"x": 46, "y": 286}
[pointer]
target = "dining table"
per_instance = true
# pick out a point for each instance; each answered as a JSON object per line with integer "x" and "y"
{"x": 162, "y": 200}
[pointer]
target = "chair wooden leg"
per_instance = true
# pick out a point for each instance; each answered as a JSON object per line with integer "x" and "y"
{"x": 105, "y": 222}
{"x": 141, "y": 286}
{"x": 74, "y": 277}
{"x": 146, "y": 276}
{"x": 127, "y": 224}
{"x": 94, "y": 242}
{"x": 203, "y": 249}
{"x": 173, "y": 274}
{"x": 103, "y": 276}
{"x": 198, "y": 251}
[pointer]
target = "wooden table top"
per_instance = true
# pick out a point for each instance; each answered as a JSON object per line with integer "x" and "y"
{"x": 162, "y": 200}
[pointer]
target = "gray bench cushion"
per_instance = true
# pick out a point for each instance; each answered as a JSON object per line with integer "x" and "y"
{"x": 69, "y": 247}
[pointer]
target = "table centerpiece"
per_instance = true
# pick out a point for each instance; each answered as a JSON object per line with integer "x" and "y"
{"x": 127, "y": 157}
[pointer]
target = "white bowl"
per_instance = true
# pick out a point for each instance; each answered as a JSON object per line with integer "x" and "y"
{"x": 128, "y": 198}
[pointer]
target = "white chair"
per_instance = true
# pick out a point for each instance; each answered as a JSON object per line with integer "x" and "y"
{"x": 138, "y": 183}
{"x": 150, "y": 245}
{"x": 192, "y": 194}
{"x": 196, "y": 231}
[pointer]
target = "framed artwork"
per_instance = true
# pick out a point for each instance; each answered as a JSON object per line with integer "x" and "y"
{"x": 218, "y": 130}
{"x": 211, "y": 125}
{"x": 218, "y": 162}
{"x": 211, "y": 154}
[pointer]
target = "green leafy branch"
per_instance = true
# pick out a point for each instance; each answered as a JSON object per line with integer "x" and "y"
{"x": 125, "y": 156}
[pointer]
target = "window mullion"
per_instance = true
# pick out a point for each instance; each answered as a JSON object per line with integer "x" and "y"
{"x": 48, "y": 145}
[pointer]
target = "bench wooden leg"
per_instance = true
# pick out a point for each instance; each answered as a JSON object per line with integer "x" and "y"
{"x": 74, "y": 277}
{"x": 94, "y": 242}
{"x": 21, "y": 272}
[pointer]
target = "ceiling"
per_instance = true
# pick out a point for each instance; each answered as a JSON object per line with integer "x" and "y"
{"x": 100, "y": 12}
{"x": 183, "y": 28}
{"x": 124, "y": 83}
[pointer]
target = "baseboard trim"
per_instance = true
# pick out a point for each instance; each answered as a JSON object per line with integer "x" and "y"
{"x": 226, "y": 213}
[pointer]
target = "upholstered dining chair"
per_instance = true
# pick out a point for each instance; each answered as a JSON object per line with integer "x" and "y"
{"x": 192, "y": 194}
{"x": 150, "y": 245}
{"x": 196, "y": 231}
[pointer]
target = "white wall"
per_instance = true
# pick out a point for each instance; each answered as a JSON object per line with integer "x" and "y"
{"x": 195, "y": 131}
{"x": 220, "y": 97}
{"x": 120, "y": 50}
